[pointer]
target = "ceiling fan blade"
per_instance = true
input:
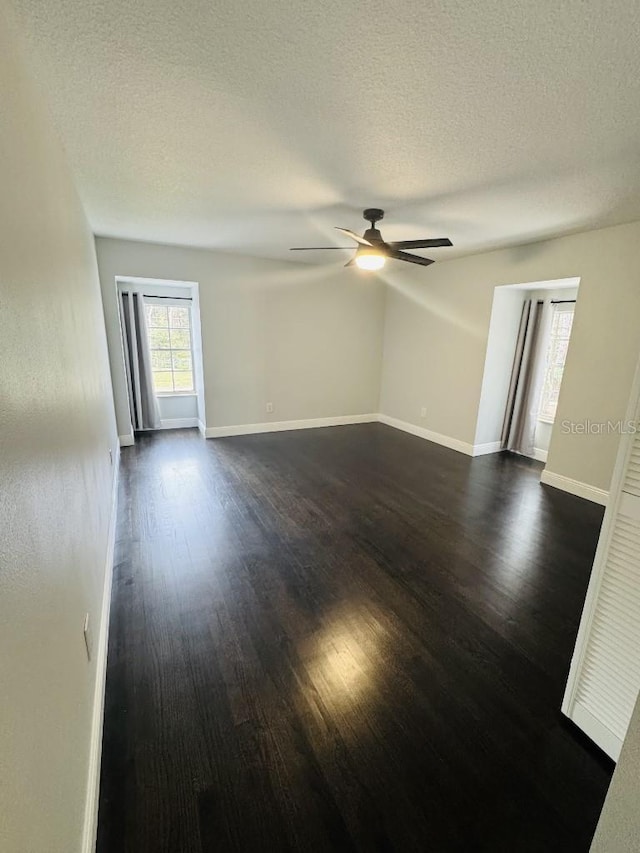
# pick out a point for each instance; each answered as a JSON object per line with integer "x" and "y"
{"x": 322, "y": 248}
{"x": 422, "y": 244}
{"x": 412, "y": 259}
{"x": 354, "y": 236}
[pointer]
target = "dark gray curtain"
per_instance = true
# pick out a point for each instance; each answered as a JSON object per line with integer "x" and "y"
{"x": 143, "y": 403}
{"x": 518, "y": 430}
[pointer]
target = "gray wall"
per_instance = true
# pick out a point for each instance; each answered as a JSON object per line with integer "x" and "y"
{"x": 437, "y": 325}
{"x": 306, "y": 338}
{"x": 321, "y": 341}
{"x": 56, "y": 428}
{"x": 618, "y": 829}
{"x": 178, "y": 407}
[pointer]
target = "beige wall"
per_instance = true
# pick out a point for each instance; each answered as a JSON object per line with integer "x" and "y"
{"x": 56, "y": 428}
{"x": 308, "y": 338}
{"x": 618, "y": 829}
{"x": 437, "y": 323}
{"x": 303, "y": 337}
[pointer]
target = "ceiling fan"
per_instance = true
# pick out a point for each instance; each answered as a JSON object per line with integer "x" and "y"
{"x": 372, "y": 251}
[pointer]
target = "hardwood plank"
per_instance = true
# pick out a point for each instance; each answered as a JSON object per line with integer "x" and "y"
{"x": 343, "y": 639}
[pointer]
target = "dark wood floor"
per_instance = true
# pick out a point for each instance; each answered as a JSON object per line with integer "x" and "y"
{"x": 343, "y": 639}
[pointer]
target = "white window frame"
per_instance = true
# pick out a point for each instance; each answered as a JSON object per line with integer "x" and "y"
{"x": 557, "y": 308}
{"x": 169, "y": 302}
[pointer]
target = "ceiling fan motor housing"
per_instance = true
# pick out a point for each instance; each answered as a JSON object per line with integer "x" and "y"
{"x": 373, "y": 235}
{"x": 373, "y": 215}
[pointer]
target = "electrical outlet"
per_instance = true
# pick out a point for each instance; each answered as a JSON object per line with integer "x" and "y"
{"x": 269, "y": 408}
{"x": 423, "y": 412}
{"x": 88, "y": 636}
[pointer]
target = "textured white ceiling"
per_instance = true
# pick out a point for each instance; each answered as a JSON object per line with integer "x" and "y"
{"x": 256, "y": 125}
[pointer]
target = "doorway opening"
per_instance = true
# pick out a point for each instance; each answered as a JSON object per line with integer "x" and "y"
{"x": 528, "y": 341}
{"x": 162, "y": 345}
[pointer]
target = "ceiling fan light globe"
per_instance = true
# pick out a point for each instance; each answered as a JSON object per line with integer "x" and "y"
{"x": 370, "y": 261}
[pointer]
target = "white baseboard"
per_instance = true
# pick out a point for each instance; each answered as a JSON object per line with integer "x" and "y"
{"x": 540, "y": 455}
{"x": 90, "y": 828}
{"x": 489, "y": 447}
{"x": 282, "y": 426}
{"x": 429, "y": 435}
{"x": 575, "y": 487}
{"x": 202, "y": 428}
{"x": 558, "y": 481}
{"x": 314, "y": 423}
{"x": 178, "y": 423}
{"x": 126, "y": 440}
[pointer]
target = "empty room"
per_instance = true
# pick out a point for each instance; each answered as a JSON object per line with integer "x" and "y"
{"x": 319, "y": 426}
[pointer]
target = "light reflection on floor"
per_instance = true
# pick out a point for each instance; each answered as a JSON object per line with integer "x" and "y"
{"x": 342, "y": 660}
{"x": 516, "y": 548}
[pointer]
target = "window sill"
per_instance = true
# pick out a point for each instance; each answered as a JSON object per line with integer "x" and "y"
{"x": 549, "y": 421}
{"x": 176, "y": 393}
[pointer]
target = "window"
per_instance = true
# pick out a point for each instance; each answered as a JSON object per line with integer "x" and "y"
{"x": 561, "y": 322}
{"x": 170, "y": 345}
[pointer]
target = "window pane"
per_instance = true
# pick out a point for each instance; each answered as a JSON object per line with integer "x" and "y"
{"x": 183, "y": 380}
{"x": 170, "y": 347}
{"x": 180, "y": 339}
{"x": 160, "y": 359}
{"x": 179, "y": 317}
{"x": 159, "y": 338}
{"x": 565, "y": 319}
{"x": 181, "y": 359}
{"x": 556, "y": 354}
{"x": 157, "y": 316}
{"x": 162, "y": 380}
{"x": 560, "y": 353}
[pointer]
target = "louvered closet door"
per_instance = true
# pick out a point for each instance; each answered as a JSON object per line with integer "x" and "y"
{"x": 605, "y": 671}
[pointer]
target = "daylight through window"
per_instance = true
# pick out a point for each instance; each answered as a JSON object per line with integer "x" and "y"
{"x": 561, "y": 322}
{"x": 170, "y": 345}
